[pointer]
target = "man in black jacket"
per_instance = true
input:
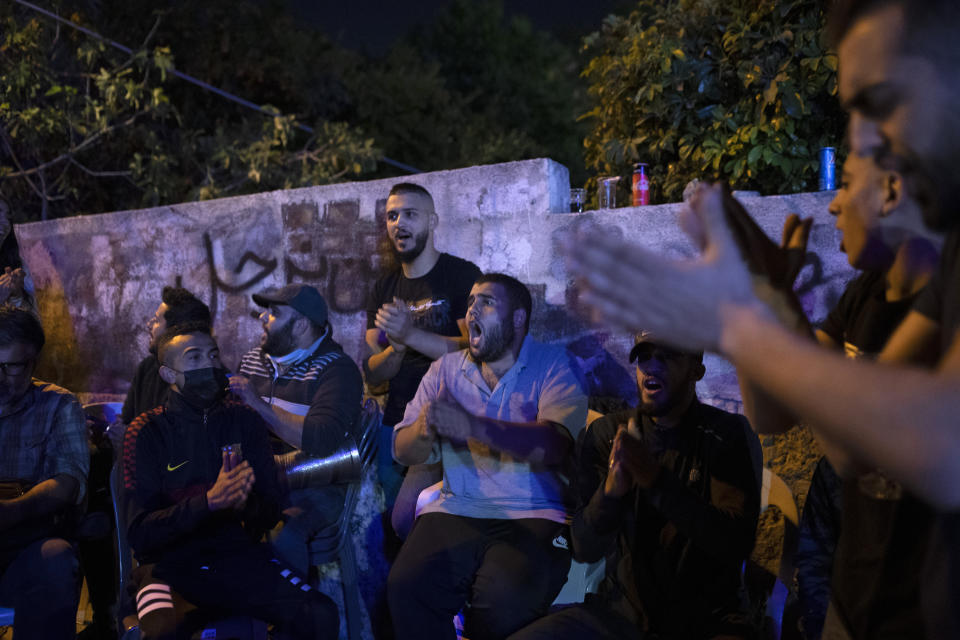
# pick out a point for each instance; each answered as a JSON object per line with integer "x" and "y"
{"x": 195, "y": 513}
{"x": 668, "y": 494}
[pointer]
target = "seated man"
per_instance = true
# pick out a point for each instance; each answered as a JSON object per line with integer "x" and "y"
{"x": 308, "y": 392}
{"x": 501, "y": 417}
{"x": 148, "y": 390}
{"x": 43, "y": 471}
{"x": 194, "y": 514}
{"x": 672, "y": 502}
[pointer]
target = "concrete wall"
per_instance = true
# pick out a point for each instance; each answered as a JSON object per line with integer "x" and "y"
{"x": 99, "y": 277}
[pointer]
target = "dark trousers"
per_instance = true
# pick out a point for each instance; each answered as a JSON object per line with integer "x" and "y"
{"x": 509, "y": 571}
{"x": 597, "y": 619}
{"x": 40, "y": 582}
{"x": 175, "y": 598}
{"x": 580, "y": 622}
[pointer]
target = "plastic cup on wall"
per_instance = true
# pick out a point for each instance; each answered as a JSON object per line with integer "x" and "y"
{"x": 607, "y": 192}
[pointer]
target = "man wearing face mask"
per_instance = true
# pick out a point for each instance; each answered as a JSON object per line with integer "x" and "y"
{"x": 147, "y": 390}
{"x": 308, "y": 391}
{"x": 193, "y": 512}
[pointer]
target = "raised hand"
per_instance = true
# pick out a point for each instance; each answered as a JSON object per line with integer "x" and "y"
{"x": 796, "y": 235}
{"x": 241, "y": 387}
{"x": 630, "y": 462}
{"x": 681, "y": 300}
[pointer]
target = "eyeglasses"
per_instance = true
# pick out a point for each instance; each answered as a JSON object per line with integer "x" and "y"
{"x": 14, "y": 368}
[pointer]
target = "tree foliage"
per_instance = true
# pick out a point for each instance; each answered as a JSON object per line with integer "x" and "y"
{"x": 741, "y": 90}
{"x": 86, "y": 128}
{"x": 474, "y": 86}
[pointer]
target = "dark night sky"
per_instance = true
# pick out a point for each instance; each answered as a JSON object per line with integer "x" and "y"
{"x": 373, "y": 25}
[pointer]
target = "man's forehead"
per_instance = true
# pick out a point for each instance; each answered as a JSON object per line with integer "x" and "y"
{"x": 487, "y": 290}
{"x": 192, "y": 342}
{"x": 869, "y": 51}
{"x": 408, "y": 201}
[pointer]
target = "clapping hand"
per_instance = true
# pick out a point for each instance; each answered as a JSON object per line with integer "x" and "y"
{"x": 395, "y": 320}
{"x": 630, "y": 462}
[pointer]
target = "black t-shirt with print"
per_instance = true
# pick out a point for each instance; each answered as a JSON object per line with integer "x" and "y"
{"x": 883, "y": 528}
{"x": 439, "y": 299}
{"x": 863, "y": 319}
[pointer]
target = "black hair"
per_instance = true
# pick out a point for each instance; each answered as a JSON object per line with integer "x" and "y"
{"x": 409, "y": 187}
{"x": 17, "y": 325}
{"x": 183, "y": 329}
{"x": 930, "y": 26}
{"x": 517, "y": 293}
{"x": 183, "y": 307}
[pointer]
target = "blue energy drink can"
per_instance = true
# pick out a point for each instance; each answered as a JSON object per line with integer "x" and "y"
{"x": 828, "y": 168}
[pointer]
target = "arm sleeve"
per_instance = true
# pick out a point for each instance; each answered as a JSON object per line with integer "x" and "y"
{"x": 334, "y": 409}
{"x": 262, "y": 510}
{"x": 153, "y": 523}
{"x": 562, "y": 400}
{"x": 598, "y": 517}
{"x": 67, "y": 451}
{"x": 725, "y": 526}
{"x": 374, "y": 300}
{"x": 428, "y": 391}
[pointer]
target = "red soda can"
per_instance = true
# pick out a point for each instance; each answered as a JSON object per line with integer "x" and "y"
{"x": 641, "y": 185}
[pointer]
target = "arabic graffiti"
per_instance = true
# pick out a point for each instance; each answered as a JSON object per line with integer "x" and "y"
{"x": 318, "y": 250}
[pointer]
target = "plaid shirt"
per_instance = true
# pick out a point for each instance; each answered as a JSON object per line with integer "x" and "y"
{"x": 44, "y": 435}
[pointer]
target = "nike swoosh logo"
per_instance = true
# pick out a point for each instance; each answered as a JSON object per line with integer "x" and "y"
{"x": 172, "y": 468}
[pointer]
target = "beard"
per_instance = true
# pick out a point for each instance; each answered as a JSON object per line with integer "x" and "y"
{"x": 657, "y": 407}
{"x": 496, "y": 341}
{"x": 279, "y": 342}
{"x": 419, "y": 244}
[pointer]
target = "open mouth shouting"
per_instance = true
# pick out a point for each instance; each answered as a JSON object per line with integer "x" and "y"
{"x": 652, "y": 385}
{"x": 475, "y": 333}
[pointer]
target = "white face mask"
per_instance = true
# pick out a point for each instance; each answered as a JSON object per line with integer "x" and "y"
{"x": 298, "y": 355}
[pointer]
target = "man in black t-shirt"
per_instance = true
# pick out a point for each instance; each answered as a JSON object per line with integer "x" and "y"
{"x": 415, "y": 314}
{"x": 878, "y": 560}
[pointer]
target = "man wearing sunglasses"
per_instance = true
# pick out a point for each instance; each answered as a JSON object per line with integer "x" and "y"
{"x": 668, "y": 494}
{"x": 43, "y": 472}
